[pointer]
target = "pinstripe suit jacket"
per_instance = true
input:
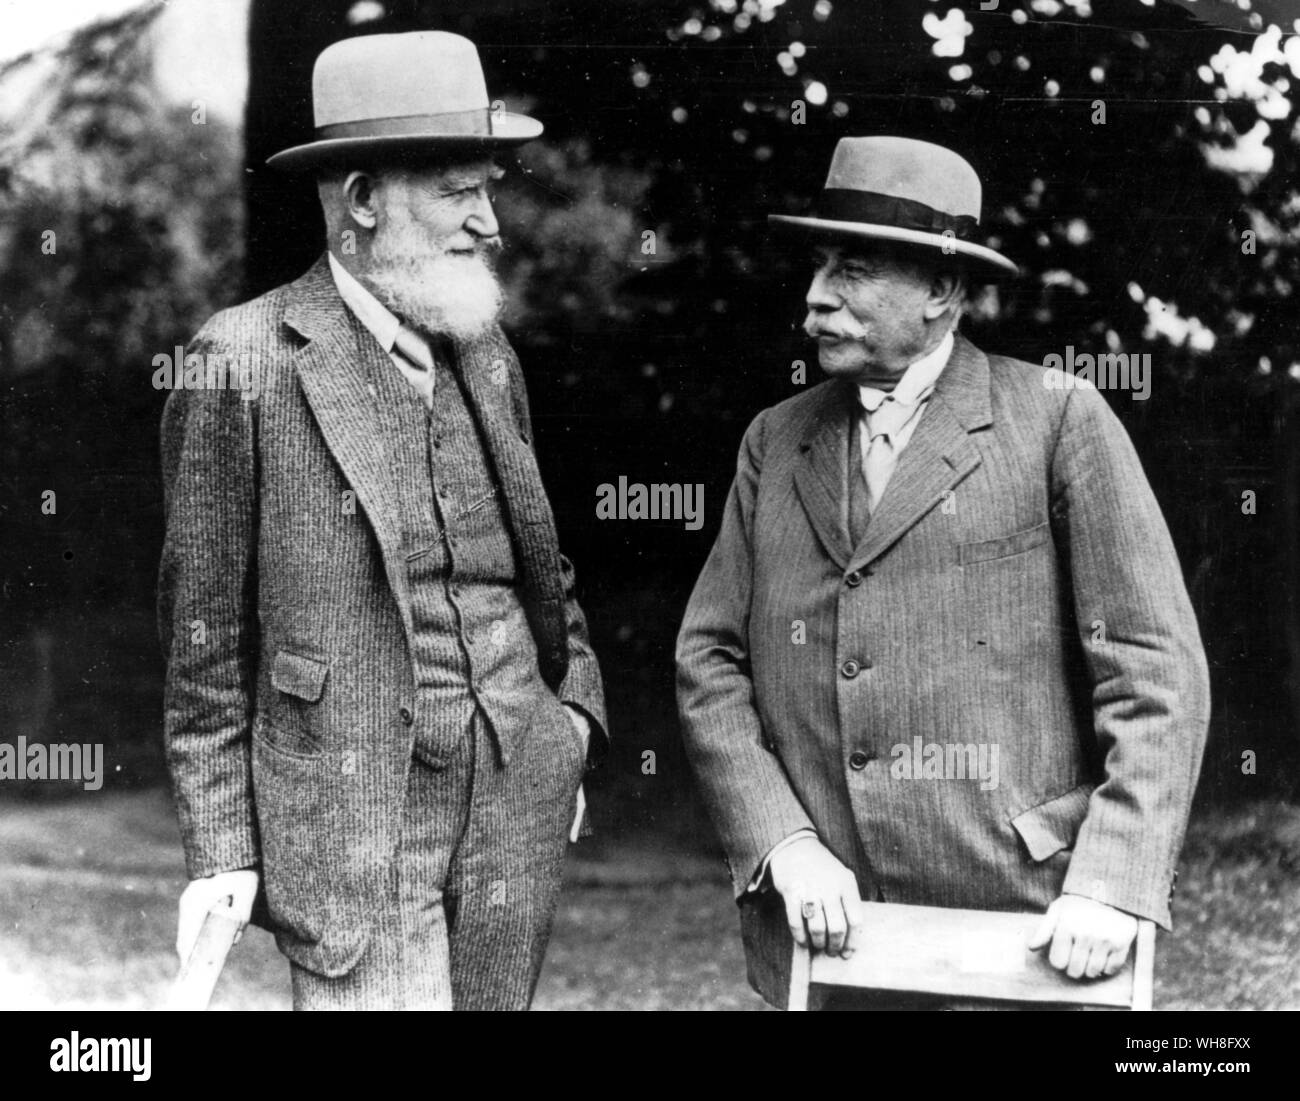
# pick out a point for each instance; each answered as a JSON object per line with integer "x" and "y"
{"x": 283, "y": 603}
{"x": 1016, "y": 586}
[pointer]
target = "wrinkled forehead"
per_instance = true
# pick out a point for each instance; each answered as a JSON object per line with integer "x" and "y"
{"x": 872, "y": 252}
{"x": 452, "y": 175}
{"x": 885, "y": 259}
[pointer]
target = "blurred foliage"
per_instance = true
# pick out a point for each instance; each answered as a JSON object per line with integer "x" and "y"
{"x": 572, "y": 227}
{"x": 142, "y": 202}
{"x": 122, "y": 231}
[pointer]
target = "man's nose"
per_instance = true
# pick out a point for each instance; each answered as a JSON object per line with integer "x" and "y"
{"x": 482, "y": 220}
{"x": 821, "y": 296}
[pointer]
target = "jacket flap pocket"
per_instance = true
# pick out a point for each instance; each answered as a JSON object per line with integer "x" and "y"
{"x": 1052, "y": 826}
{"x": 299, "y": 676}
{"x": 1004, "y": 546}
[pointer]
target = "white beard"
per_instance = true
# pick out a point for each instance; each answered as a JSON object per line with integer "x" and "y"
{"x": 444, "y": 294}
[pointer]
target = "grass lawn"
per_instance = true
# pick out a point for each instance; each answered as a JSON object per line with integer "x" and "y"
{"x": 88, "y": 890}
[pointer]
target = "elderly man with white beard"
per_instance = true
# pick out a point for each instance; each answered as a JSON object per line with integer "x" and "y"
{"x": 380, "y": 697}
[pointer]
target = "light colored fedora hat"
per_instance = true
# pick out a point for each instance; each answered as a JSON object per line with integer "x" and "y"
{"x": 906, "y": 191}
{"x": 400, "y": 95}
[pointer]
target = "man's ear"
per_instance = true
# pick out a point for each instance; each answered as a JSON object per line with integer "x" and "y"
{"x": 947, "y": 292}
{"x": 359, "y": 197}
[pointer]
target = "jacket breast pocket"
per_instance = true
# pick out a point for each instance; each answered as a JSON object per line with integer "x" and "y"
{"x": 1052, "y": 826}
{"x": 1004, "y": 546}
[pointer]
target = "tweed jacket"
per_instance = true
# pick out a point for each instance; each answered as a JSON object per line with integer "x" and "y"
{"x": 1016, "y": 587}
{"x": 285, "y": 611}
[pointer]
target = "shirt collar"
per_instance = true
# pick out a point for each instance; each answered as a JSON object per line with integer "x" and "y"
{"x": 372, "y": 313}
{"x": 917, "y": 380}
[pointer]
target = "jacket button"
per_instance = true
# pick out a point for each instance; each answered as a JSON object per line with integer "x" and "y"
{"x": 850, "y": 669}
{"x": 854, "y": 579}
{"x": 406, "y": 715}
{"x": 858, "y": 760}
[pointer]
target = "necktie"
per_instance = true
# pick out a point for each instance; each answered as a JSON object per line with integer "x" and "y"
{"x": 882, "y": 420}
{"x": 881, "y": 457}
{"x": 415, "y": 352}
{"x": 413, "y": 349}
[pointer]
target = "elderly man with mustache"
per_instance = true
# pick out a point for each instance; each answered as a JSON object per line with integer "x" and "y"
{"x": 380, "y": 697}
{"x": 940, "y": 546}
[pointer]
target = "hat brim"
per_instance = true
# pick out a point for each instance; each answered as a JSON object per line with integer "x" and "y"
{"x": 979, "y": 260}
{"x": 508, "y": 130}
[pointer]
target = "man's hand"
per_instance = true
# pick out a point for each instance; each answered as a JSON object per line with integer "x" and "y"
{"x": 1088, "y": 937}
{"x": 820, "y": 896}
{"x": 583, "y": 727}
{"x": 202, "y": 894}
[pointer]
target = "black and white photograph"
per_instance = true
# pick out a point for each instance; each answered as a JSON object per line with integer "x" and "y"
{"x": 651, "y": 505}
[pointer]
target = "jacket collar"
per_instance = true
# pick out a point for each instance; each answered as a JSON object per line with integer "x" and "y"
{"x": 964, "y": 386}
{"x": 313, "y": 303}
{"x": 917, "y": 381}
{"x": 382, "y": 323}
{"x": 939, "y": 455}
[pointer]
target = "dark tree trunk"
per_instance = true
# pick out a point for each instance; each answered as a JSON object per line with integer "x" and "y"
{"x": 284, "y": 228}
{"x": 1290, "y": 581}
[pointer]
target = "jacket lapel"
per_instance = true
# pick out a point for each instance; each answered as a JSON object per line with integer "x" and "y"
{"x": 819, "y": 477}
{"x": 332, "y": 369}
{"x": 938, "y": 456}
{"x": 488, "y": 370}
{"x": 485, "y": 368}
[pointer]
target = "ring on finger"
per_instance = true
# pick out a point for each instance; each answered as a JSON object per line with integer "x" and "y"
{"x": 809, "y": 910}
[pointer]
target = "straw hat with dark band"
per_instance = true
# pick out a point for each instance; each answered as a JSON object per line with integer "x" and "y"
{"x": 397, "y": 96}
{"x": 912, "y": 193}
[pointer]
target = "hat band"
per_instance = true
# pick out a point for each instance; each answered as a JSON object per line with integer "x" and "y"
{"x": 841, "y": 204}
{"x": 473, "y": 123}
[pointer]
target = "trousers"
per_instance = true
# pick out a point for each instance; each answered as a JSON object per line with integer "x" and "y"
{"x": 474, "y": 885}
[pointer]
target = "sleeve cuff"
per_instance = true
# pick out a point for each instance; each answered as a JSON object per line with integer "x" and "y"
{"x": 758, "y": 879}
{"x": 597, "y": 742}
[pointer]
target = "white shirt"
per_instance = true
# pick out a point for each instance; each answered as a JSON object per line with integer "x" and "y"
{"x": 913, "y": 389}
{"x": 383, "y": 324}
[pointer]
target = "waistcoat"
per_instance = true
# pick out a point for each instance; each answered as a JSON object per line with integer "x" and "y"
{"x": 472, "y": 646}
